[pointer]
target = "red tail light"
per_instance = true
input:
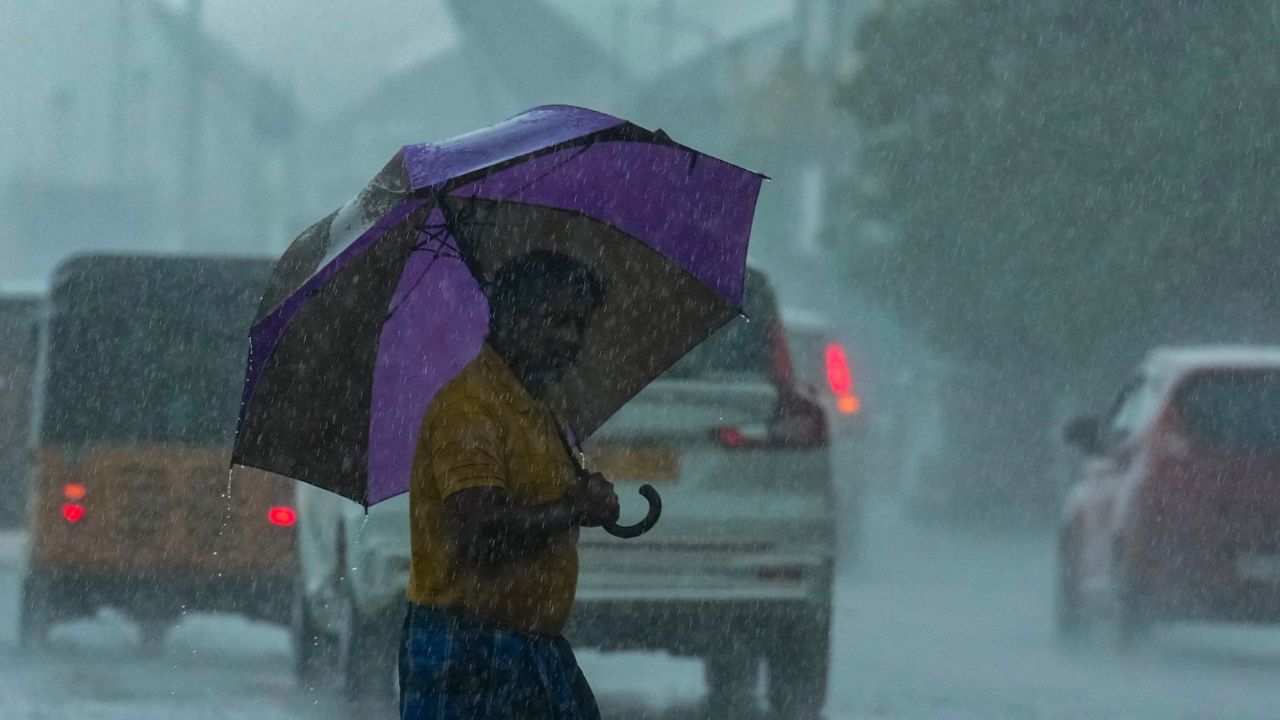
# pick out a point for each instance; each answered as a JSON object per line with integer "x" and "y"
{"x": 282, "y": 516}
{"x": 798, "y": 424}
{"x": 840, "y": 379}
{"x": 73, "y": 512}
{"x": 734, "y": 438}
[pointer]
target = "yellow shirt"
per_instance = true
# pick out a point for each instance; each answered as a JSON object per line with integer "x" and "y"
{"x": 483, "y": 429}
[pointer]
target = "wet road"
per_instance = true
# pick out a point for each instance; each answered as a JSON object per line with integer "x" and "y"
{"x": 932, "y": 625}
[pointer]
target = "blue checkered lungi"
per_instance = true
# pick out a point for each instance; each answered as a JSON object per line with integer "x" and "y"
{"x": 456, "y": 667}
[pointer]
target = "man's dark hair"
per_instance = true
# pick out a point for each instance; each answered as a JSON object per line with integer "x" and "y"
{"x": 527, "y": 281}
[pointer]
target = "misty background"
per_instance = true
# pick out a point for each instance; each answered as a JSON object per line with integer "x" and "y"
{"x": 996, "y": 206}
{"x": 999, "y": 205}
{"x": 227, "y": 126}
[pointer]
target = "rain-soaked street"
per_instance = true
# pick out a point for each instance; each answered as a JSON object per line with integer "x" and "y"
{"x": 315, "y": 311}
{"x": 932, "y": 625}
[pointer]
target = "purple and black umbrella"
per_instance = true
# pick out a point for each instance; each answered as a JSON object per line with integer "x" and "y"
{"x": 374, "y": 308}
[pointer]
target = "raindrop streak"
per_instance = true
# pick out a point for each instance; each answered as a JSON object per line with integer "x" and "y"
{"x": 226, "y": 512}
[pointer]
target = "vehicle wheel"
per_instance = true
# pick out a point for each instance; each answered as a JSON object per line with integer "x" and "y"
{"x": 1068, "y": 606}
{"x": 313, "y": 648}
{"x": 798, "y": 662}
{"x": 366, "y": 655}
{"x": 731, "y": 676}
{"x": 36, "y": 612}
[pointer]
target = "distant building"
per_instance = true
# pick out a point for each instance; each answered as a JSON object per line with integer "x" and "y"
{"x": 107, "y": 143}
{"x": 758, "y": 95}
{"x": 433, "y": 100}
{"x": 509, "y": 57}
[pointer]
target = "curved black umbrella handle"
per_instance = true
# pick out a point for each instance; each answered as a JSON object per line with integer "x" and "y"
{"x": 645, "y": 525}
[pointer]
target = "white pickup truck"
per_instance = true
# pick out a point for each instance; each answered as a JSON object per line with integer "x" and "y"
{"x": 737, "y": 572}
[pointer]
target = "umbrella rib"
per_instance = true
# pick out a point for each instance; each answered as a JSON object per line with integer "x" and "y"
{"x": 421, "y": 276}
{"x": 464, "y": 216}
{"x": 436, "y": 243}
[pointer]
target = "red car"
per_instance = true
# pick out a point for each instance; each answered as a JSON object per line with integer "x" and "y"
{"x": 1176, "y": 513}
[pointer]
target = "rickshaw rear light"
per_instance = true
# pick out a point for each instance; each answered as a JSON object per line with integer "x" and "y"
{"x": 282, "y": 516}
{"x": 74, "y": 491}
{"x": 73, "y": 512}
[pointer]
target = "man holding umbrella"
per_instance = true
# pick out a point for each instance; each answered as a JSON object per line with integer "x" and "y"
{"x": 495, "y": 507}
{"x": 419, "y": 337}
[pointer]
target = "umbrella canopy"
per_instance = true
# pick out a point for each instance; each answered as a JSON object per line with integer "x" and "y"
{"x": 377, "y": 306}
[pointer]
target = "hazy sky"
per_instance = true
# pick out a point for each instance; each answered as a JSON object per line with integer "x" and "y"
{"x": 329, "y": 51}
{"x": 332, "y": 51}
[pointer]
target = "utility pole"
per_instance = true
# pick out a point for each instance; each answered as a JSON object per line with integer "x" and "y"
{"x": 190, "y": 153}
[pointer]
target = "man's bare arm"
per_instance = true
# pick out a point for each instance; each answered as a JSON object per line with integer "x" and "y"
{"x": 488, "y": 528}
